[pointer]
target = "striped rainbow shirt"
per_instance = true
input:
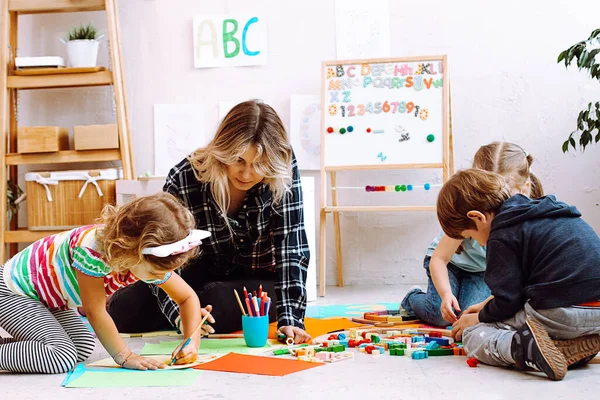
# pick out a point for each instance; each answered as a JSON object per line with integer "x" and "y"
{"x": 45, "y": 270}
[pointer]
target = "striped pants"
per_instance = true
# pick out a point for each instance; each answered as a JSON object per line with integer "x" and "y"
{"x": 43, "y": 341}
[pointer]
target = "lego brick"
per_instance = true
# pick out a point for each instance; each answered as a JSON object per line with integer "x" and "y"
{"x": 394, "y": 318}
{"x": 440, "y": 341}
{"x": 440, "y": 352}
{"x": 409, "y": 318}
{"x": 432, "y": 346}
{"x": 472, "y": 362}
{"x": 396, "y": 352}
{"x": 339, "y": 348}
{"x": 419, "y": 355}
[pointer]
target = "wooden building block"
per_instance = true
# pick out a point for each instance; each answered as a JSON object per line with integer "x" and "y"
{"x": 91, "y": 137}
{"x": 42, "y": 139}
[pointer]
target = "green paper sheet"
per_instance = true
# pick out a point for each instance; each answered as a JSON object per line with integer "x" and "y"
{"x": 207, "y": 346}
{"x": 94, "y": 379}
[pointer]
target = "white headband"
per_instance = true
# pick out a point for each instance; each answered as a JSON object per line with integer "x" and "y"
{"x": 192, "y": 240}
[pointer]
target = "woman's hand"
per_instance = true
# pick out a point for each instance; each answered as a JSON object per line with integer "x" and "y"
{"x": 449, "y": 302}
{"x": 188, "y": 354}
{"x": 298, "y": 334}
{"x": 135, "y": 361}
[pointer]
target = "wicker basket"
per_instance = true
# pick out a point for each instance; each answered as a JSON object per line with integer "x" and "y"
{"x": 61, "y": 200}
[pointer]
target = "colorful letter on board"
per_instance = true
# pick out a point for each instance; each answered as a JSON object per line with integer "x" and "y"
{"x": 229, "y": 41}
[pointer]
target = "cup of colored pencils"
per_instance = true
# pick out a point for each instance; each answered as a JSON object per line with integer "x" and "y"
{"x": 255, "y": 318}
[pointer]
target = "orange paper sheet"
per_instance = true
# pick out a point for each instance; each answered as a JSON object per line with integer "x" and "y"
{"x": 319, "y": 326}
{"x": 256, "y": 365}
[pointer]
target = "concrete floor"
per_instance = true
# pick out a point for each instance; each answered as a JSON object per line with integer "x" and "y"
{"x": 383, "y": 377}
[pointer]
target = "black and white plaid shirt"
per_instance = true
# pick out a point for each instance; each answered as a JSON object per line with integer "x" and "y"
{"x": 265, "y": 237}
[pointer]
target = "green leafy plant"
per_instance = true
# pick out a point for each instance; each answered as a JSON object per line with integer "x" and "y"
{"x": 14, "y": 192}
{"x": 588, "y": 122}
{"x": 82, "y": 32}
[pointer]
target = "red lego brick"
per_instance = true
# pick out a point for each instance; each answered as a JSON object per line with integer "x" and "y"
{"x": 472, "y": 362}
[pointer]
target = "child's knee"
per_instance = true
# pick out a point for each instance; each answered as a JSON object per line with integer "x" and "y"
{"x": 85, "y": 346}
{"x": 62, "y": 359}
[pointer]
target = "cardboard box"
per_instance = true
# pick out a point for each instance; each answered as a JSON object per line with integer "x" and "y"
{"x": 93, "y": 137}
{"x": 42, "y": 139}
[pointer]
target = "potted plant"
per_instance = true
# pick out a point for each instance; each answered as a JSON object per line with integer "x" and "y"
{"x": 82, "y": 46}
{"x": 14, "y": 197}
{"x": 588, "y": 122}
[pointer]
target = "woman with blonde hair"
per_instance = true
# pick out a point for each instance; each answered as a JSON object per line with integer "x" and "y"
{"x": 244, "y": 188}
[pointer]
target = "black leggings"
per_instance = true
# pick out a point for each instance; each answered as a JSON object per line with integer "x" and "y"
{"x": 135, "y": 309}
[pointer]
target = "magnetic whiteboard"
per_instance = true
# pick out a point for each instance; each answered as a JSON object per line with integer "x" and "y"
{"x": 385, "y": 112}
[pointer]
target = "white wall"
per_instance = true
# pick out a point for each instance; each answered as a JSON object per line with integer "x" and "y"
{"x": 506, "y": 85}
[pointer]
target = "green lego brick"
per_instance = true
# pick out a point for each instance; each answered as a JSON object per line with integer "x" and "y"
{"x": 396, "y": 352}
{"x": 320, "y": 349}
{"x": 281, "y": 352}
{"x": 440, "y": 352}
{"x": 339, "y": 348}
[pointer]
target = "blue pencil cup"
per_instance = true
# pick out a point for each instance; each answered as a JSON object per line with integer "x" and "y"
{"x": 256, "y": 330}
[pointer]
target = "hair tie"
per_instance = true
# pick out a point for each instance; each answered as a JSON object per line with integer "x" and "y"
{"x": 524, "y": 151}
{"x": 194, "y": 239}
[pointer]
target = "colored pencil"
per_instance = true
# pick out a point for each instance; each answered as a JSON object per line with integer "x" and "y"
{"x": 260, "y": 291}
{"x": 249, "y": 308}
{"x": 256, "y": 306}
{"x": 190, "y": 337}
{"x": 259, "y": 301}
{"x": 245, "y": 292}
{"x": 237, "y": 297}
{"x": 268, "y": 306}
{"x": 262, "y": 305}
{"x": 254, "y": 293}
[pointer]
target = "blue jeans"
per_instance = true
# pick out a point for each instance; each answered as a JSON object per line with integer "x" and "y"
{"x": 468, "y": 288}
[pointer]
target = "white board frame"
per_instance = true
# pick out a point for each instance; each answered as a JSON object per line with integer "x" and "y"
{"x": 447, "y": 164}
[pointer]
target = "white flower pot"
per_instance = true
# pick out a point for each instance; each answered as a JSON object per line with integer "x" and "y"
{"x": 82, "y": 53}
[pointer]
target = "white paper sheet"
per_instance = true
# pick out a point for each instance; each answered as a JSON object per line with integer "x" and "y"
{"x": 179, "y": 129}
{"x": 362, "y": 29}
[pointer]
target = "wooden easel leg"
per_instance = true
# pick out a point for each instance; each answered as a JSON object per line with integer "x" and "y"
{"x": 338, "y": 249}
{"x": 322, "y": 253}
{"x": 336, "y": 227}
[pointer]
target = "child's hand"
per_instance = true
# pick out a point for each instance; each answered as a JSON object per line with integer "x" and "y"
{"x": 206, "y": 328}
{"x": 475, "y": 308}
{"x": 188, "y": 354}
{"x": 449, "y": 302}
{"x": 465, "y": 321}
{"x": 135, "y": 361}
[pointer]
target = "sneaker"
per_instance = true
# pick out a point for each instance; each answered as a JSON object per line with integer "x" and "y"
{"x": 579, "y": 351}
{"x": 532, "y": 348}
{"x": 404, "y": 312}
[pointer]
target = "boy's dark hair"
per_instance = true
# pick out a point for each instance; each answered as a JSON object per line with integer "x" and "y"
{"x": 468, "y": 190}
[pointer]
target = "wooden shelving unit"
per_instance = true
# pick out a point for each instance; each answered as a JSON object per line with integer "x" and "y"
{"x": 66, "y": 156}
{"x": 101, "y": 78}
{"x": 11, "y": 83}
{"x": 54, "y": 6}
